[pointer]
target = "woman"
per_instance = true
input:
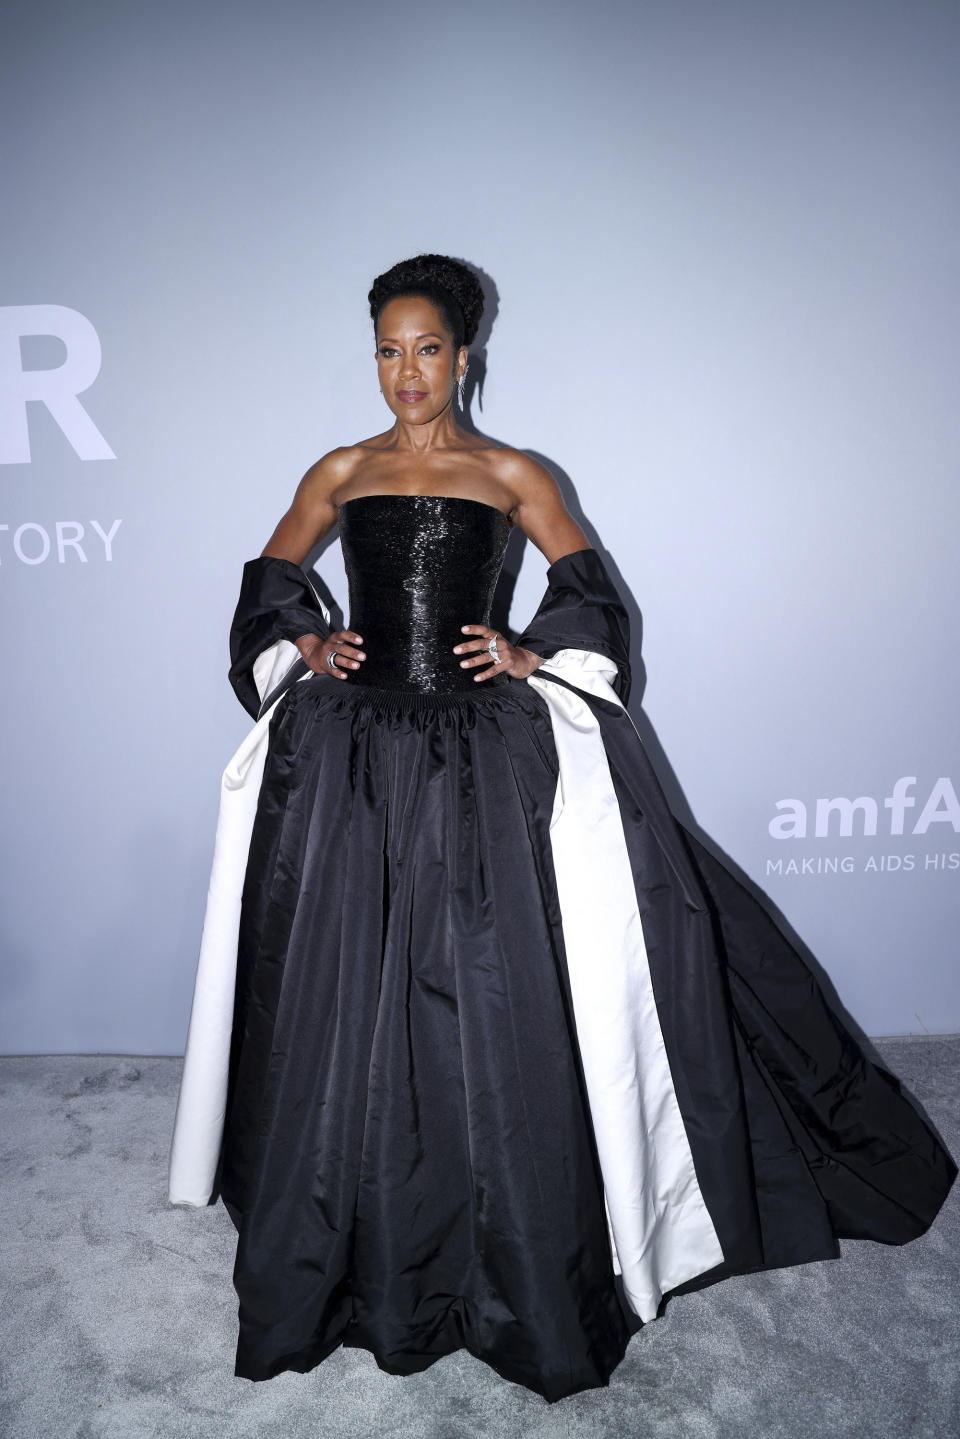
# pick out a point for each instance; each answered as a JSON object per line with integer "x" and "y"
{"x": 491, "y": 1052}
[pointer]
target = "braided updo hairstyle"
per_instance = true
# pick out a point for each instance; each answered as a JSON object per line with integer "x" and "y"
{"x": 450, "y": 285}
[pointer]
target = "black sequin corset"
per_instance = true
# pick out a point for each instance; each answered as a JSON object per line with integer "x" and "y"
{"x": 418, "y": 568}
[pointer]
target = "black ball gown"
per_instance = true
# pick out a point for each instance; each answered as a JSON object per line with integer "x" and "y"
{"x": 478, "y": 1026}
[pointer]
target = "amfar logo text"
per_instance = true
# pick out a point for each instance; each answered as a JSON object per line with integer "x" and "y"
{"x": 940, "y": 806}
{"x": 57, "y": 388}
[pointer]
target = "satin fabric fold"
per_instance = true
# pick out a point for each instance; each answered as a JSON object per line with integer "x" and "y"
{"x": 581, "y": 610}
{"x": 797, "y": 1136}
{"x": 277, "y": 603}
{"x": 408, "y": 1154}
{"x": 201, "y": 1098}
{"x": 662, "y": 1229}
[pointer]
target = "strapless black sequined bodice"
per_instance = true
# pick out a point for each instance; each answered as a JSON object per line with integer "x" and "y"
{"x": 418, "y": 568}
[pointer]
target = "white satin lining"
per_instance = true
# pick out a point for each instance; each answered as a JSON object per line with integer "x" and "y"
{"x": 662, "y": 1232}
{"x": 201, "y": 1103}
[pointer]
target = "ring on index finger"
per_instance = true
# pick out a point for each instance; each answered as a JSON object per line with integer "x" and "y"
{"x": 492, "y": 647}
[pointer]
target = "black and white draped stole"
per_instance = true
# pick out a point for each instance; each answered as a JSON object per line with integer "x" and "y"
{"x": 739, "y": 1124}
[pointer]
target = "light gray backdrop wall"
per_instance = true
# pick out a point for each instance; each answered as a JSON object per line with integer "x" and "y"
{"x": 724, "y": 241}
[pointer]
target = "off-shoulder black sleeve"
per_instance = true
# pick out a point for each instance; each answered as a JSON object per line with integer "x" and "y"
{"x": 277, "y": 601}
{"x": 581, "y": 610}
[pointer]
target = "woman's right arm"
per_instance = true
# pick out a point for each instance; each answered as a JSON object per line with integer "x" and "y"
{"x": 312, "y": 515}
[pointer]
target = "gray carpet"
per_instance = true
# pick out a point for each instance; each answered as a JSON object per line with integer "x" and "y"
{"x": 119, "y": 1315}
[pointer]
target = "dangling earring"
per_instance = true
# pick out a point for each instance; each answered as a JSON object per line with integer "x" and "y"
{"x": 460, "y": 387}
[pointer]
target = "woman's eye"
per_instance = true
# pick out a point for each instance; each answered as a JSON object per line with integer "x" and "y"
{"x": 388, "y": 351}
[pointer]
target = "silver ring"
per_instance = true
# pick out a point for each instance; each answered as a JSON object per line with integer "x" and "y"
{"x": 492, "y": 647}
{"x": 332, "y": 660}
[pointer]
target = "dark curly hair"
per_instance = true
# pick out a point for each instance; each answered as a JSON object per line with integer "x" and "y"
{"x": 450, "y": 285}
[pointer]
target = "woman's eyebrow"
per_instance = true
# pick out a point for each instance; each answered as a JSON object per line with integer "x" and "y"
{"x": 430, "y": 335}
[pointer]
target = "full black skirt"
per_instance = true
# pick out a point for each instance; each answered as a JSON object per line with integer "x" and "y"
{"x": 408, "y": 1152}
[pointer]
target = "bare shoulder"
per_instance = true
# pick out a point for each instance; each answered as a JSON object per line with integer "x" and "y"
{"x": 539, "y": 509}
{"x": 312, "y": 512}
{"x": 323, "y": 482}
{"x": 328, "y": 476}
{"x": 524, "y": 475}
{"x": 331, "y": 470}
{"x": 512, "y": 465}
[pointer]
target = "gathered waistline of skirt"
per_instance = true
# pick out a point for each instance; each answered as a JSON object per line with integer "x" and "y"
{"x": 395, "y": 697}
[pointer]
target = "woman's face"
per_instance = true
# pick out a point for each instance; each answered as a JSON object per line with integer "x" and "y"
{"x": 416, "y": 360}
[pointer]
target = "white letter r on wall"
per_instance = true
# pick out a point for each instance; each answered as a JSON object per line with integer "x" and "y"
{"x": 57, "y": 389}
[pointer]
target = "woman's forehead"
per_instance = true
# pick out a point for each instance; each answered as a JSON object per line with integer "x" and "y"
{"x": 412, "y": 313}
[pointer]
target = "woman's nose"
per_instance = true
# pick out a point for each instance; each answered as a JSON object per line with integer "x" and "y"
{"x": 410, "y": 368}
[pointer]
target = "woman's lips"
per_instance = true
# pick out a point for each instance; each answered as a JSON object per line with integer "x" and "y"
{"x": 411, "y": 397}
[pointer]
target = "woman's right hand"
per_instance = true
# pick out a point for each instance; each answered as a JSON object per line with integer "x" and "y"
{"x": 342, "y": 644}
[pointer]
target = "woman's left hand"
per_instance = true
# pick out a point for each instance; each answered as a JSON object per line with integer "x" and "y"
{"x": 513, "y": 660}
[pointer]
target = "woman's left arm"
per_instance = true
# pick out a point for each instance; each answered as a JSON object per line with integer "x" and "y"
{"x": 539, "y": 511}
